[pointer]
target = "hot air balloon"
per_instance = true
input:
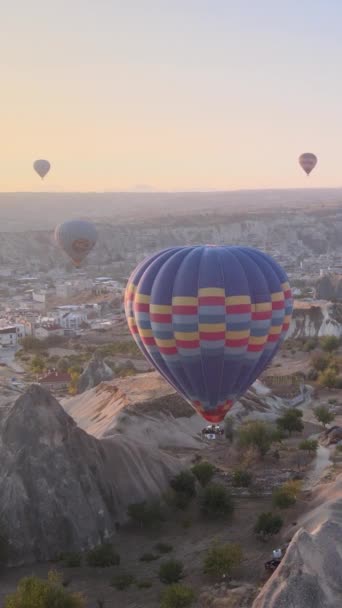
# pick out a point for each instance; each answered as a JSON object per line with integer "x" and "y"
{"x": 42, "y": 167}
{"x": 209, "y": 319}
{"x": 77, "y": 238}
{"x": 307, "y": 161}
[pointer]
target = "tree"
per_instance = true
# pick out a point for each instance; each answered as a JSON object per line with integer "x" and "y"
{"x": 257, "y": 434}
{"x": 320, "y": 362}
{"x": 216, "y": 501}
{"x": 309, "y": 445}
{"x": 37, "y": 364}
{"x": 145, "y": 514}
{"x": 291, "y": 421}
{"x": 222, "y": 559}
{"x": 34, "y": 592}
{"x": 285, "y": 496}
{"x": 330, "y": 343}
{"x": 184, "y": 486}
{"x": 103, "y": 556}
{"x": 268, "y": 524}
{"x": 328, "y": 377}
{"x": 323, "y": 415}
{"x": 30, "y": 343}
{"x": 203, "y": 472}
{"x": 74, "y": 375}
{"x": 177, "y": 596}
{"x": 63, "y": 365}
{"x": 310, "y": 344}
{"x": 171, "y": 571}
{"x": 229, "y": 428}
{"x": 242, "y": 478}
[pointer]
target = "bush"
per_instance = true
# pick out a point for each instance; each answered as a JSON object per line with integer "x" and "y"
{"x": 103, "y": 556}
{"x": 145, "y": 514}
{"x": 291, "y": 421}
{"x": 323, "y": 415}
{"x": 320, "y": 362}
{"x": 203, "y": 472}
{"x": 328, "y": 378}
{"x": 309, "y": 445}
{"x": 257, "y": 434}
{"x": 184, "y": 483}
{"x": 63, "y": 365}
{"x": 221, "y": 559}
{"x": 72, "y": 560}
{"x": 242, "y": 478}
{"x": 312, "y": 375}
{"x": 285, "y": 496}
{"x": 144, "y": 584}
{"x": 330, "y": 343}
{"x": 216, "y": 501}
{"x": 268, "y": 524}
{"x": 163, "y": 548}
{"x": 171, "y": 572}
{"x": 310, "y": 344}
{"x": 34, "y": 592}
{"x": 122, "y": 581}
{"x": 177, "y": 596}
{"x": 148, "y": 557}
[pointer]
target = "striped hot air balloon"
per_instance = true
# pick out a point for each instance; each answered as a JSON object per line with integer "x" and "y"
{"x": 307, "y": 161}
{"x": 77, "y": 238}
{"x": 209, "y": 319}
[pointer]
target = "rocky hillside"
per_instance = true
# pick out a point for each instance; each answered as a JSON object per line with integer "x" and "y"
{"x": 329, "y": 287}
{"x": 316, "y": 319}
{"x": 311, "y": 571}
{"x": 62, "y": 489}
{"x": 96, "y": 371}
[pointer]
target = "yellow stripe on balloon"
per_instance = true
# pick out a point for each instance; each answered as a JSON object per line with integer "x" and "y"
{"x": 234, "y": 300}
{"x": 211, "y": 291}
{"x": 184, "y": 301}
{"x": 145, "y": 333}
{"x": 262, "y": 307}
{"x": 142, "y": 298}
{"x": 275, "y": 329}
{"x": 278, "y": 296}
{"x": 191, "y": 335}
{"x": 163, "y": 309}
{"x": 212, "y": 327}
{"x": 237, "y": 335}
{"x": 257, "y": 339}
{"x": 165, "y": 343}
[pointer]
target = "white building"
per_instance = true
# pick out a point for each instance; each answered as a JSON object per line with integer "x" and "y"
{"x": 8, "y": 336}
{"x": 72, "y": 320}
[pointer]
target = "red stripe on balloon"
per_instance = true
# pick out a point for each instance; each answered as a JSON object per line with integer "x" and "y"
{"x": 240, "y": 342}
{"x": 158, "y": 317}
{"x": 262, "y": 315}
{"x": 278, "y": 305}
{"x": 188, "y": 343}
{"x": 235, "y": 309}
{"x": 218, "y": 335}
{"x": 211, "y": 301}
{"x": 184, "y": 310}
{"x": 148, "y": 341}
{"x": 255, "y": 348}
{"x": 168, "y": 350}
{"x": 139, "y": 307}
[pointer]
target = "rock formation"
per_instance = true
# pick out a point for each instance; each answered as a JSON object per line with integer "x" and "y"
{"x": 96, "y": 371}
{"x": 329, "y": 287}
{"x": 62, "y": 489}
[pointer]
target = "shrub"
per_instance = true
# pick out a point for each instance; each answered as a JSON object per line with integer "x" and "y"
{"x": 72, "y": 560}
{"x": 184, "y": 483}
{"x": 320, "y": 362}
{"x": 63, "y": 365}
{"x": 257, "y": 434}
{"x": 145, "y": 514}
{"x": 216, "y": 501}
{"x": 286, "y": 495}
{"x": 163, "y": 548}
{"x": 291, "y": 421}
{"x": 103, "y": 556}
{"x": 171, "y": 572}
{"x": 268, "y": 524}
{"x": 313, "y": 374}
{"x": 37, "y": 364}
{"x": 122, "y": 581}
{"x": 221, "y": 559}
{"x": 148, "y": 557}
{"x": 310, "y": 344}
{"x": 328, "y": 378}
{"x": 330, "y": 343}
{"x": 309, "y": 445}
{"x": 242, "y": 478}
{"x": 144, "y": 584}
{"x": 203, "y": 472}
{"x": 34, "y": 592}
{"x": 177, "y": 596}
{"x": 323, "y": 415}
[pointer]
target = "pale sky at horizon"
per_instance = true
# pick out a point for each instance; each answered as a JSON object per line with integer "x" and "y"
{"x": 174, "y": 94}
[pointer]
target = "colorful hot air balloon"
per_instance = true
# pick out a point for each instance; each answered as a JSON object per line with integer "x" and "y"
{"x": 307, "y": 161}
{"x": 77, "y": 238}
{"x": 42, "y": 167}
{"x": 209, "y": 319}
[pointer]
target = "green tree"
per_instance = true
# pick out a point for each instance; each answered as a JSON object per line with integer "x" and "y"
{"x": 184, "y": 486}
{"x": 286, "y": 495}
{"x": 330, "y": 343}
{"x": 171, "y": 571}
{"x": 323, "y": 415}
{"x": 177, "y": 596}
{"x": 37, "y": 364}
{"x": 203, "y": 472}
{"x": 328, "y": 378}
{"x": 63, "y": 365}
{"x": 216, "y": 501}
{"x": 34, "y": 592}
{"x": 145, "y": 514}
{"x": 291, "y": 421}
{"x": 103, "y": 556}
{"x": 268, "y": 525}
{"x": 309, "y": 445}
{"x": 257, "y": 434}
{"x": 242, "y": 478}
{"x": 222, "y": 559}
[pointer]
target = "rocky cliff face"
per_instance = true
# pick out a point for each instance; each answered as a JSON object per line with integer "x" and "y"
{"x": 96, "y": 371}
{"x": 62, "y": 489}
{"x": 329, "y": 287}
{"x": 316, "y": 319}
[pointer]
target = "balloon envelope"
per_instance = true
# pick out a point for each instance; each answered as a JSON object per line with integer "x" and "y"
{"x": 42, "y": 167}
{"x": 308, "y": 161}
{"x": 209, "y": 319}
{"x": 77, "y": 238}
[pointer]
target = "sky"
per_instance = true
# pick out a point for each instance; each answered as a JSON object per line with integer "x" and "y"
{"x": 170, "y": 94}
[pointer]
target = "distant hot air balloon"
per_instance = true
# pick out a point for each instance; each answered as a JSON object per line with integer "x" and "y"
{"x": 209, "y": 319}
{"x": 42, "y": 167}
{"x": 308, "y": 161}
{"x": 77, "y": 238}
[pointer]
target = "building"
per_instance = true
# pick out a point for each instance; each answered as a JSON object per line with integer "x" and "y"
{"x": 45, "y": 331}
{"x": 72, "y": 320}
{"x": 8, "y": 336}
{"x": 55, "y": 380}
